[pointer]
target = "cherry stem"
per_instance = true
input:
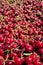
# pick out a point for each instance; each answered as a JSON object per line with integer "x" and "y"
{"x": 27, "y": 54}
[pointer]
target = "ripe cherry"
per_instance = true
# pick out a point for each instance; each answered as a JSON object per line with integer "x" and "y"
{"x": 21, "y": 43}
{"x": 1, "y": 37}
{"x": 34, "y": 56}
{"x": 13, "y": 54}
{"x": 9, "y": 63}
{"x": 37, "y": 61}
{"x": 28, "y": 60}
{"x": 30, "y": 64}
{"x": 41, "y": 51}
{"x": 18, "y": 61}
{"x": 1, "y": 62}
{"x": 1, "y": 52}
{"x": 29, "y": 48}
{"x": 39, "y": 44}
{"x": 14, "y": 45}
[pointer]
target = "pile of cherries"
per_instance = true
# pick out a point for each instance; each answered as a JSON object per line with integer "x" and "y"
{"x": 21, "y": 32}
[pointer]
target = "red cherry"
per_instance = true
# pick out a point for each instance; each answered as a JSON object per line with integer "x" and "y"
{"x": 18, "y": 61}
{"x": 39, "y": 44}
{"x": 42, "y": 63}
{"x": 31, "y": 42}
{"x": 7, "y": 33}
{"x": 28, "y": 60}
{"x": 13, "y": 54}
{"x": 30, "y": 64}
{"x": 41, "y": 57}
{"x": 1, "y": 46}
{"x": 29, "y": 48}
{"x": 1, "y": 52}
{"x": 37, "y": 61}
{"x": 7, "y": 40}
{"x": 9, "y": 63}
{"x": 26, "y": 45}
{"x": 1, "y": 62}
{"x": 14, "y": 45}
{"x": 7, "y": 46}
{"x": 34, "y": 56}
{"x": 41, "y": 51}
{"x": 21, "y": 43}
{"x": 1, "y": 38}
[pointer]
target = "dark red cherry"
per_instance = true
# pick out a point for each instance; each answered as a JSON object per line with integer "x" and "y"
{"x": 1, "y": 52}
{"x": 1, "y": 62}
{"x": 9, "y": 63}
{"x": 41, "y": 51}
{"x": 30, "y": 64}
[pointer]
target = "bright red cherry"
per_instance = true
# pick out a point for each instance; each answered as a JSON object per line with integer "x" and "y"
{"x": 1, "y": 46}
{"x": 11, "y": 40}
{"x": 14, "y": 45}
{"x": 39, "y": 44}
{"x": 18, "y": 61}
{"x": 34, "y": 56}
{"x": 41, "y": 51}
{"x": 7, "y": 33}
{"x": 29, "y": 48}
{"x": 28, "y": 60}
{"x": 1, "y": 37}
{"x": 7, "y": 40}
{"x": 37, "y": 61}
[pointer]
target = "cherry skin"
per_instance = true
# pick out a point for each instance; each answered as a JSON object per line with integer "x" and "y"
{"x": 41, "y": 51}
{"x": 31, "y": 42}
{"x": 11, "y": 39}
{"x": 30, "y": 64}
{"x": 39, "y": 44}
{"x": 1, "y": 38}
{"x": 37, "y": 61}
{"x": 14, "y": 45}
{"x": 42, "y": 63}
{"x": 9, "y": 63}
{"x": 21, "y": 43}
{"x": 41, "y": 57}
{"x": 1, "y": 62}
{"x": 34, "y": 56}
{"x": 18, "y": 61}
{"x": 29, "y": 48}
{"x": 7, "y": 46}
{"x": 1, "y": 46}
{"x": 28, "y": 60}
{"x": 1, "y": 52}
{"x": 7, "y": 40}
{"x": 7, "y": 33}
{"x": 13, "y": 54}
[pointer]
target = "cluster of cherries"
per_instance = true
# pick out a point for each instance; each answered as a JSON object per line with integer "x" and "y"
{"x": 21, "y": 32}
